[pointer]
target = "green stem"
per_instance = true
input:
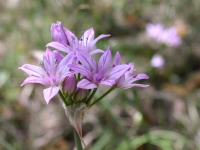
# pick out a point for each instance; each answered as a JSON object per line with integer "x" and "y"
{"x": 70, "y": 99}
{"x": 98, "y": 99}
{"x": 91, "y": 96}
{"x": 63, "y": 99}
{"x": 79, "y": 76}
{"x": 77, "y": 140}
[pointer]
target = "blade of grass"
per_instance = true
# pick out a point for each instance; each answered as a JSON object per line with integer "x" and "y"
{"x": 6, "y": 144}
{"x": 103, "y": 140}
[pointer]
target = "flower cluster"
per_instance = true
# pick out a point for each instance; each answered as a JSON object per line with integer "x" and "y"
{"x": 69, "y": 69}
{"x": 167, "y": 36}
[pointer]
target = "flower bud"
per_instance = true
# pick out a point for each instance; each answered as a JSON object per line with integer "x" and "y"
{"x": 80, "y": 95}
{"x": 58, "y": 33}
{"x": 69, "y": 85}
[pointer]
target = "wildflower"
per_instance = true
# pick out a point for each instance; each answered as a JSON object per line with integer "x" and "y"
{"x": 86, "y": 42}
{"x": 60, "y": 74}
{"x": 168, "y": 36}
{"x": 101, "y": 73}
{"x": 51, "y": 75}
{"x": 155, "y": 30}
{"x": 127, "y": 79}
{"x": 157, "y": 61}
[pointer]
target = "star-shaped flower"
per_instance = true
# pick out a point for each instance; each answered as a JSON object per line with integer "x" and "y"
{"x": 51, "y": 75}
{"x": 71, "y": 42}
{"x": 95, "y": 74}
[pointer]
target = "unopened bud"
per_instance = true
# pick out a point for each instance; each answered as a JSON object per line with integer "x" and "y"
{"x": 58, "y": 33}
{"x": 80, "y": 95}
{"x": 69, "y": 85}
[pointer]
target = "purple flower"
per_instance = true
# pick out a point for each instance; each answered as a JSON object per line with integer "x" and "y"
{"x": 155, "y": 30}
{"x": 157, "y": 61}
{"x": 167, "y": 36}
{"x": 95, "y": 74}
{"x": 127, "y": 79}
{"x": 51, "y": 75}
{"x": 170, "y": 37}
{"x": 58, "y": 33}
{"x": 86, "y": 42}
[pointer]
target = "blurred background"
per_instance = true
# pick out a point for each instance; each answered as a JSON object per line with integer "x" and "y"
{"x": 164, "y": 116}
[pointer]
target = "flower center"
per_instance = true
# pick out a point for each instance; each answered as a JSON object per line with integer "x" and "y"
{"x": 97, "y": 77}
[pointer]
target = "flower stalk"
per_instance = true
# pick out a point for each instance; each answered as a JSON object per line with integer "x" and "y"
{"x": 77, "y": 140}
{"x": 76, "y": 136}
{"x": 98, "y": 99}
{"x": 63, "y": 99}
{"x": 91, "y": 96}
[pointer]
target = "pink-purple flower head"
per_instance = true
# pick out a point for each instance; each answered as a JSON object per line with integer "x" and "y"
{"x": 51, "y": 75}
{"x": 127, "y": 79}
{"x": 71, "y": 42}
{"x": 95, "y": 74}
{"x": 167, "y": 36}
{"x": 155, "y": 30}
{"x": 170, "y": 37}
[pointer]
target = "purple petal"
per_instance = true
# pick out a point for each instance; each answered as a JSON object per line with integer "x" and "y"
{"x": 33, "y": 79}
{"x": 70, "y": 36}
{"x": 86, "y": 84}
{"x": 81, "y": 69}
{"x": 59, "y": 47}
{"x": 92, "y": 43}
{"x": 96, "y": 51}
{"x": 133, "y": 85}
{"x": 120, "y": 80}
{"x": 138, "y": 77}
{"x": 49, "y": 61}
{"x": 129, "y": 73}
{"x": 32, "y": 70}
{"x": 63, "y": 76}
{"x": 87, "y": 36}
{"x": 117, "y": 59}
{"x": 58, "y": 56}
{"x": 63, "y": 65}
{"x": 117, "y": 71}
{"x": 108, "y": 82}
{"x": 128, "y": 82}
{"x": 49, "y": 93}
{"x": 86, "y": 60}
{"x": 105, "y": 61}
